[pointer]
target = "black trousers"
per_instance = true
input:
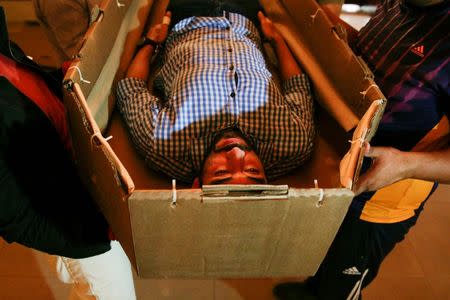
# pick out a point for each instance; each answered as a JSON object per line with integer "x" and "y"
{"x": 182, "y": 9}
{"x": 355, "y": 256}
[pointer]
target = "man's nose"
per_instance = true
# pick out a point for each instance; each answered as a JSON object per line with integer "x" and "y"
{"x": 236, "y": 154}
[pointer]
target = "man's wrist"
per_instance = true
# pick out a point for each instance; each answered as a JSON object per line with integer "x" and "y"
{"x": 277, "y": 41}
{"x": 148, "y": 43}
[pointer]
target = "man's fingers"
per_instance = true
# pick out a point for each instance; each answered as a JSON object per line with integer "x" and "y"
{"x": 361, "y": 184}
{"x": 261, "y": 16}
{"x": 374, "y": 151}
{"x": 167, "y": 18}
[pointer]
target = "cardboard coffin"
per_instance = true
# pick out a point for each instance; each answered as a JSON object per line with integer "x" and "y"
{"x": 281, "y": 229}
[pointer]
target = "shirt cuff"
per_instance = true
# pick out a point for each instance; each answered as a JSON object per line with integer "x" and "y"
{"x": 296, "y": 83}
{"x": 129, "y": 86}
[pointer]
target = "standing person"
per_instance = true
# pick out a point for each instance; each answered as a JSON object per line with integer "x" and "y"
{"x": 65, "y": 22}
{"x": 407, "y": 46}
{"x": 221, "y": 117}
{"x": 43, "y": 204}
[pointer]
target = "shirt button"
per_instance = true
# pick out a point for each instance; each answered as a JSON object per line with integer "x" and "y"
{"x": 230, "y": 50}
{"x": 227, "y": 28}
{"x": 231, "y": 68}
{"x": 233, "y": 94}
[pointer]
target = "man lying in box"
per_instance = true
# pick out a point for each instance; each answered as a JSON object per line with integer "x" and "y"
{"x": 222, "y": 118}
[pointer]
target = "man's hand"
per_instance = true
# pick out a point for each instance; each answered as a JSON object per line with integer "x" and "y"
{"x": 139, "y": 66}
{"x": 389, "y": 165}
{"x": 287, "y": 64}
{"x": 159, "y": 32}
{"x": 268, "y": 29}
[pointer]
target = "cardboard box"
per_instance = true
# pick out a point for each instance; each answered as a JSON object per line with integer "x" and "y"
{"x": 281, "y": 229}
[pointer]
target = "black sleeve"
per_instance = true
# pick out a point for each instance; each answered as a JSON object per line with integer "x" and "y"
{"x": 21, "y": 223}
{"x": 43, "y": 204}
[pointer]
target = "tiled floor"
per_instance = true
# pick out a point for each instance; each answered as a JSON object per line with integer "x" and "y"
{"x": 418, "y": 268}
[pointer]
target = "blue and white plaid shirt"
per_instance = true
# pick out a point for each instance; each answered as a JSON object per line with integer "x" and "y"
{"x": 213, "y": 77}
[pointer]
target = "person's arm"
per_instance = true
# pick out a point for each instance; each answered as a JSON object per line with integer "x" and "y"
{"x": 296, "y": 89}
{"x": 287, "y": 64}
{"x": 20, "y": 222}
{"x": 391, "y": 165}
{"x": 138, "y": 106}
{"x": 140, "y": 65}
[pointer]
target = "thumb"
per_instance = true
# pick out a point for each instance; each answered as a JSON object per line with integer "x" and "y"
{"x": 370, "y": 151}
{"x": 260, "y": 16}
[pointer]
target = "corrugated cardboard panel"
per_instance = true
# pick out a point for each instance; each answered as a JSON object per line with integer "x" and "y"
{"x": 98, "y": 168}
{"x": 342, "y": 82}
{"x": 100, "y": 57}
{"x": 199, "y": 238}
{"x": 234, "y": 238}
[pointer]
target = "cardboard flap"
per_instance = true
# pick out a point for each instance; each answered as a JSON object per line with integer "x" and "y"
{"x": 274, "y": 237}
{"x": 341, "y": 79}
{"x": 239, "y": 192}
{"x": 101, "y": 171}
{"x": 88, "y": 139}
{"x": 352, "y": 161}
{"x": 95, "y": 67}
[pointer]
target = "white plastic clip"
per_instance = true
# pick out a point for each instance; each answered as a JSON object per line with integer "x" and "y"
{"x": 119, "y": 4}
{"x": 313, "y": 17}
{"x": 95, "y": 135}
{"x": 174, "y": 192}
{"x": 361, "y": 139}
{"x": 367, "y": 90}
{"x": 79, "y": 74}
{"x": 319, "y": 203}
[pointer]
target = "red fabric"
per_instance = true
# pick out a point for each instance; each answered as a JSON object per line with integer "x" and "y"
{"x": 35, "y": 88}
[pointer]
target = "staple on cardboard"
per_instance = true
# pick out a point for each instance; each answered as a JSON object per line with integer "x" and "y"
{"x": 321, "y": 198}
{"x": 313, "y": 17}
{"x": 79, "y": 74}
{"x": 367, "y": 90}
{"x": 119, "y": 4}
{"x": 97, "y": 135}
{"x": 174, "y": 192}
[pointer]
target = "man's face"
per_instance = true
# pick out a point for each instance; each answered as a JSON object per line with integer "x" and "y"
{"x": 233, "y": 161}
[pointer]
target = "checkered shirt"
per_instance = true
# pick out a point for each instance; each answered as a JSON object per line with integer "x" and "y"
{"x": 213, "y": 77}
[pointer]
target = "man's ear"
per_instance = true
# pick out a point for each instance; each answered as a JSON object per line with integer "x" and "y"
{"x": 196, "y": 183}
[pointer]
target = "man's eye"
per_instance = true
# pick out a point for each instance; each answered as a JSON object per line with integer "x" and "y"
{"x": 220, "y": 172}
{"x": 253, "y": 171}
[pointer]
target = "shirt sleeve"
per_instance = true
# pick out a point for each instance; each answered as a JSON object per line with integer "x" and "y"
{"x": 140, "y": 110}
{"x": 299, "y": 147}
{"x": 20, "y": 222}
{"x": 298, "y": 96}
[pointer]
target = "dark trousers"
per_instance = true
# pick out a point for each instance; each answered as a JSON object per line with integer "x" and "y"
{"x": 355, "y": 256}
{"x": 182, "y": 9}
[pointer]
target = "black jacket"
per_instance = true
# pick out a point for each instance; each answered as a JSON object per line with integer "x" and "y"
{"x": 43, "y": 204}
